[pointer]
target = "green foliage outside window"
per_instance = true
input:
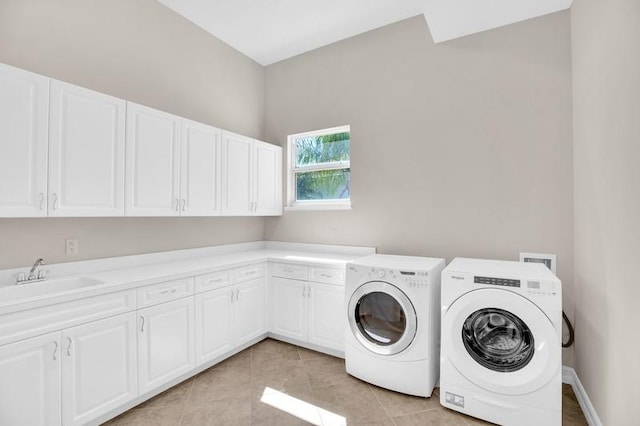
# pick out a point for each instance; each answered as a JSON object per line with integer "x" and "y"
{"x": 330, "y": 184}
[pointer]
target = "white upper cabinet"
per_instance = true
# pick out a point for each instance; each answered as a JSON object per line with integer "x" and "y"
{"x": 251, "y": 176}
{"x": 24, "y": 112}
{"x": 237, "y": 192}
{"x": 153, "y": 162}
{"x": 268, "y": 179}
{"x": 86, "y": 152}
{"x": 200, "y": 171}
{"x": 67, "y": 151}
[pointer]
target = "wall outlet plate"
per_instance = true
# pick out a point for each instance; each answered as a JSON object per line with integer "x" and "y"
{"x": 547, "y": 259}
{"x": 72, "y": 247}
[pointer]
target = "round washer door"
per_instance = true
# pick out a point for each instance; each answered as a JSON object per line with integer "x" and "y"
{"x": 382, "y": 318}
{"x": 501, "y": 341}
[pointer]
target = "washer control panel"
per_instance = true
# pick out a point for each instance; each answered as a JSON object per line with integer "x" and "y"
{"x": 496, "y": 281}
{"x": 541, "y": 288}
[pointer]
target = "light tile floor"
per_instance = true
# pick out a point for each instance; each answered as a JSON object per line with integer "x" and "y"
{"x": 230, "y": 392}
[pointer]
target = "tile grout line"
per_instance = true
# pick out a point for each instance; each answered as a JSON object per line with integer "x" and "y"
{"x": 306, "y": 371}
{"x": 381, "y": 404}
{"x": 186, "y": 402}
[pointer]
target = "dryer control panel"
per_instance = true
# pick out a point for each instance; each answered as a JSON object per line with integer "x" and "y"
{"x": 413, "y": 279}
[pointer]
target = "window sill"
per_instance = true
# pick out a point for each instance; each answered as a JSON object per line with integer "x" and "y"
{"x": 318, "y": 206}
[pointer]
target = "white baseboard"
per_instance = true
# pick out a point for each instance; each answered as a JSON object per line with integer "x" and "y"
{"x": 570, "y": 377}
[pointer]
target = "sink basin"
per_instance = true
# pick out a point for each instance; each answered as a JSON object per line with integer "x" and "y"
{"x": 45, "y": 288}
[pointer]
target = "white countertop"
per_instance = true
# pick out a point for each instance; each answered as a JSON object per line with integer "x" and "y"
{"x": 119, "y": 274}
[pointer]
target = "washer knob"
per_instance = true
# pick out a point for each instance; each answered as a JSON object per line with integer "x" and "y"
{"x": 381, "y": 273}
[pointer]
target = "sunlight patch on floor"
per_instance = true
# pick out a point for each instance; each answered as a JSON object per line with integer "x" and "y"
{"x": 301, "y": 409}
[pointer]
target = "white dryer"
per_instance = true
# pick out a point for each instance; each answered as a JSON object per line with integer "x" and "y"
{"x": 502, "y": 342}
{"x": 393, "y": 322}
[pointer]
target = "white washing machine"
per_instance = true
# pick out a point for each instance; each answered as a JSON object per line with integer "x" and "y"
{"x": 502, "y": 342}
{"x": 393, "y": 322}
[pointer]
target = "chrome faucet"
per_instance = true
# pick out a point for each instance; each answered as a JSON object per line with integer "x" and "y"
{"x": 32, "y": 277}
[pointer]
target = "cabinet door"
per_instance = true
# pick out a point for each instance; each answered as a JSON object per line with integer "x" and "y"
{"x": 98, "y": 368}
{"x": 30, "y": 382}
{"x": 165, "y": 343}
{"x": 237, "y": 194}
{"x": 152, "y": 162}
{"x": 268, "y": 179}
{"x": 249, "y": 311}
{"x": 86, "y": 152}
{"x": 326, "y": 315}
{"x": 24, "y": 114}
{"x": 288, "y": 307}
{"x": 200, "y": 171}
{"x": 214, "y": 324}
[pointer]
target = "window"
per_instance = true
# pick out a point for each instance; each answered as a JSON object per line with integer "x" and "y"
{"x": 319, "y": 169}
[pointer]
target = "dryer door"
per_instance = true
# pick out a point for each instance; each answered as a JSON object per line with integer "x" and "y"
{"x": 501, "y": 341}
{"x": 382, "y": 318}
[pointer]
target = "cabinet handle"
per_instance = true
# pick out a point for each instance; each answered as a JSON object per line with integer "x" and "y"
{"x": 55, "y": 200}
{"x": 168, "y": 291}
{"x": 142, "y": 323}
{"x": 55, "y": 350}
{"x": 69, "y": 346}
{"x": 304, "y": 291}
{"x": 237, "y": 294}
{"x": 309, "y": 292}
{"x": 177, "y": 204}
{"x": 231, "y": 295}
{"x": 184, "y": 204}
{"x": 325, "y": 275}
{"x": 41, "y": 201}
{"x": 214, "y": 280}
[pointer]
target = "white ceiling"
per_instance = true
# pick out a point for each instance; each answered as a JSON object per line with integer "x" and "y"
{"x": 269, "y": 31}
{"x": 449, "y": 19}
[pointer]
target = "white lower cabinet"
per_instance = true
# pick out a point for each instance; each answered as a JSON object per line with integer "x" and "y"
{"x": 326, "y": 315}
{"x": 289, "y": 308}
{"x": 307, "y": 311}
{"x": 249, "y": 311}
{"x": 76, "y": 375}
{"x": 98, "y": 368}
{"x": 229, "y": 317}
{"x": 30, "y": 382}
{"x": 165, "y": 343}
{"x": 214, "y": 323}
{"x": 69, "y": 377}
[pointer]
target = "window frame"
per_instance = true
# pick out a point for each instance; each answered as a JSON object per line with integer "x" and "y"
{"x": 292, "y": 203}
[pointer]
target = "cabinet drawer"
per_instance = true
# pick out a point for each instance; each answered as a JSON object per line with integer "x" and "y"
{"x": 285, "y": 270}
{"x": 213, "y": 281}
{"x": 165, "y": 291}
{"x": 249, "y": 272}
{"x": 327, "y": 275}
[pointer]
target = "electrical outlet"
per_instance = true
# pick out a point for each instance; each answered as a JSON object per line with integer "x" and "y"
{"x": 73, "y": 247}
{"x": 547, "y": 259}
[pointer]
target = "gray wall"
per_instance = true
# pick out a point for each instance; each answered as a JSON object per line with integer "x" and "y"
{"x": 458, "y": 149}
{"x": 140, "y": 51}
{"x": 606, "y": 78}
